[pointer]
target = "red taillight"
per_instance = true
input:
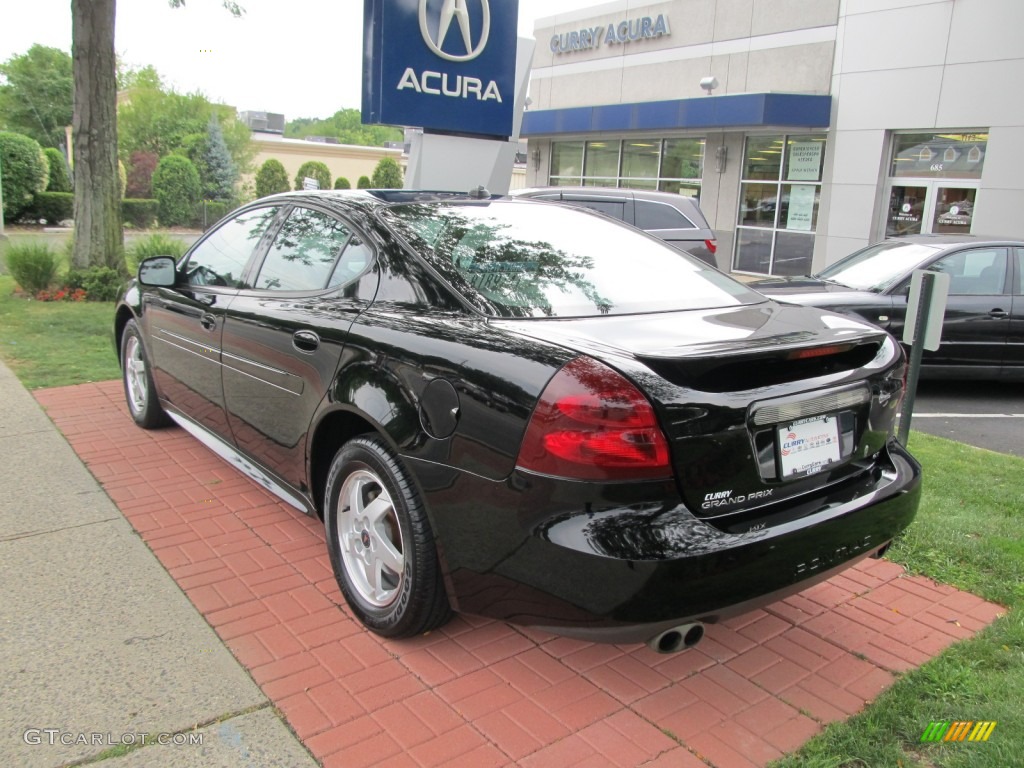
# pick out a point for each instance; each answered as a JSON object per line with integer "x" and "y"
{"x": 593, "y": 424}
{"x": 834, "y": 349}
{"x": 712, "y": 245}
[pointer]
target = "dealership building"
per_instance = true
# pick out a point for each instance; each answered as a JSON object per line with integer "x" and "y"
{"x": 808, "y": 128}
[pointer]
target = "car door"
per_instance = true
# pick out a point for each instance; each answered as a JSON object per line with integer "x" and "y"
{"x": 1013, "y": 360}
{"x": 283, "y": 336}
{"x": 977, "y": 320}
{"x": 186, "y": 322}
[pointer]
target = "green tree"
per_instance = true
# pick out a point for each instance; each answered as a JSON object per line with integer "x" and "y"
{"x": 387, "y": 174}
{"x": 345, "y": 125}
{"x": 99, "y": 237}
{"x": 342, "y": 183}
{"x": 177, "y": 188}
{"x": 316, "y": 170}
{"x": 25, "y": 172}
{"x": 363, "y": 183}
{"x": 58, "y": 180}
{"x": 36, "y": 99}
{"x": 271, "y": 178}
{"x": 221, "y": 175}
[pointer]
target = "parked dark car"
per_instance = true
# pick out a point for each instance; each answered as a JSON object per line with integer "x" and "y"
{"x": 983, "y": 332}
{"x": 495, "y": 412}
{"x": 676, "y": 219}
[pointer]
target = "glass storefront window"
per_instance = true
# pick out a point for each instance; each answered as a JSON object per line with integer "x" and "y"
{"x": 763, "y": 157}
{"x": 601, "y": 159}
{"x": 941, "y": 155}
{"x": 566, "y": 162}
{"x": 640, "y": 159}
{"x": 683, "y": 159}
{"x": 669, "y": 165}
{"x": 778, "y": 209}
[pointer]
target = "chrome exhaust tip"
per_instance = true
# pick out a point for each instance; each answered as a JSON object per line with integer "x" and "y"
{"x": 677, "y": 639}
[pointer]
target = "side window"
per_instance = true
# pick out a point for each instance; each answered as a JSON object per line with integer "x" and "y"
{"x": 651, "y": 215}
{"x": 613, "y": 208}
{"x": 354, "y": 259}
{"x": 221, "y": 258}
{"x": 978, "y": 272}
{"x": 1019, "y": 287}
{"x": 304, "y": 252}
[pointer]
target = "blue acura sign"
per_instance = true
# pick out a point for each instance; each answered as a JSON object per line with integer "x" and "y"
{"x": 446, "y": 65}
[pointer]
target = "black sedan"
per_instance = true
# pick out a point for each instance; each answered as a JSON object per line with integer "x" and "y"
{"x": 983, "y": 332}
{"x": 523, "y": 411}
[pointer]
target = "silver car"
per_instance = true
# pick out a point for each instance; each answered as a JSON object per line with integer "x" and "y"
{"x": 674, "y": 218}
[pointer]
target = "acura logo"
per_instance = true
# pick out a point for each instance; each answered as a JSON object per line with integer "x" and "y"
{"x": 456, "y": 10}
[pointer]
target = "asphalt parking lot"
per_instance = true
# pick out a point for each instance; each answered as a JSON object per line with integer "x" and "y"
{"x": 984, "y": 414}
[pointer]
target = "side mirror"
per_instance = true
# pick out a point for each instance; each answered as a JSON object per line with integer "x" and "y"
{"x": 159, "y": 271}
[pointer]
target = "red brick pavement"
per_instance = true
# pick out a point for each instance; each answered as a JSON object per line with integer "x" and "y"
{"x": 483, "y": 693}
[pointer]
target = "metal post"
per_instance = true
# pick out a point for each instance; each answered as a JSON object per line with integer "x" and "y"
{"x": 916, "y": 352}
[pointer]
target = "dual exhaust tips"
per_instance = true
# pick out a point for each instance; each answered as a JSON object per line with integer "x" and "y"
{"x": 678, "y": 638}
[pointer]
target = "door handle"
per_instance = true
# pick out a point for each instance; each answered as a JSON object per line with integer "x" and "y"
{"x": 305, "y": 341}
{"x": 998, "y": 313}
{"x": 208, "y": 321}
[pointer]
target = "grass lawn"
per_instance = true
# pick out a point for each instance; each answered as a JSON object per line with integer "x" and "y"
{"x": 968, "y": 533}
{"x": 50, "y": 344}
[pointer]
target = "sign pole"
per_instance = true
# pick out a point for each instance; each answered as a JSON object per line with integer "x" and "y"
{"x": 926, "y": 308}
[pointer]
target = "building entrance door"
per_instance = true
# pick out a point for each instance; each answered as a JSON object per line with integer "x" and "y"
{"x": 930, "y": 206}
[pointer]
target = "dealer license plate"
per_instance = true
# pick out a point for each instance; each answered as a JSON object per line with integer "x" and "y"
{"x": 808, "y": 445}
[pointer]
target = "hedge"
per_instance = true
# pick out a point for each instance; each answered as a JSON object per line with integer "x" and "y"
{"x": 315, "y": 170}
{"x": 141, "y": 213}
{"x": 59, "y": 179}
{"x": 54, "y": 207}
{"x": 271, "y": 178}
{"x": 25, "y": 172}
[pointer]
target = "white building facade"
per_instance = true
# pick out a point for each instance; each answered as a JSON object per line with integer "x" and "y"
{"x": 808, "y": 128}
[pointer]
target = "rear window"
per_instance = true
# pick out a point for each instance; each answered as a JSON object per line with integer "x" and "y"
{"x": 660, "y": 216}
{"x": 520, "y": 259}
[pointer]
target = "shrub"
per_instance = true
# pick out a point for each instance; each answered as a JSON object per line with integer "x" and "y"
{"x": 315, "y": 170}
{"x": 33, "y": 266}
{"x": 25, "y": 172}
{"x": 98, "y": 283}
{"x": 271, "y": 178}
{"x": 141, "y": 214}
{"x": 342, "y": 183}
{"x": 58, "y": 180}
{"x": 150, "y": 246}
{"x": 363, "y": 183}
{"x": 55, "y": 207}
{"x": 176, "y": 186}
{"x": 387, "y": 174}
{"x": 140, "y": 177}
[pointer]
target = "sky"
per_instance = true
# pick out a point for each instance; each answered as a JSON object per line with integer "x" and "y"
{"x": 302, "y": 58}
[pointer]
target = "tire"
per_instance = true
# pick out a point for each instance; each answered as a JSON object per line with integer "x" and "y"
{"x": 380, "y": 542}
{"x": 139, "y": 392}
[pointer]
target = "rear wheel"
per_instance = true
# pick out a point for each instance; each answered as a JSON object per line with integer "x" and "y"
{"x": 139, "y": 392}
{"x": 380, "y": 542}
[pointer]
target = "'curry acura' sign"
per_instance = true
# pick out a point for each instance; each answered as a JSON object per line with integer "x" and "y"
{"x": 446, "y": 65}
{"x": 588, "y": 38}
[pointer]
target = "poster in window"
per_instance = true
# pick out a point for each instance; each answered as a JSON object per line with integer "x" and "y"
{"x": 805, "y": 160}
{"x": 801, "y": 208}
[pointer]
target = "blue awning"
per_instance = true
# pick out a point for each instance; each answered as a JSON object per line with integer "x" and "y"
{"x": 746, "y": 110}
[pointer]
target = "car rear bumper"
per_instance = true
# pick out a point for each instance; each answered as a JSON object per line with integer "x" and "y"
{"x": 621, "y": 563}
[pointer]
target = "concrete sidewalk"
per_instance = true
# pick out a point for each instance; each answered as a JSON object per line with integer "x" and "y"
{"x": 98, "y": 645}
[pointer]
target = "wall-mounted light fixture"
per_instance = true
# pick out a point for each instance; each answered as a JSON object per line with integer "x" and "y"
{"x": 709, "y": 83}
{"x": 721, "y": 158}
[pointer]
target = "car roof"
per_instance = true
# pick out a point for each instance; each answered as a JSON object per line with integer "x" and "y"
{"x": 947, "y": 241}
{"x": 639, "y": 194}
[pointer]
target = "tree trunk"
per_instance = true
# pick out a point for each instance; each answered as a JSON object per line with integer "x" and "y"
{"x": 99, "y": 238}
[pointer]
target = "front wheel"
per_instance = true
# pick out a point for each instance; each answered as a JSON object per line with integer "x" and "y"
{"x": 139, "y": 392}
{"x": 380, "y": 542}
